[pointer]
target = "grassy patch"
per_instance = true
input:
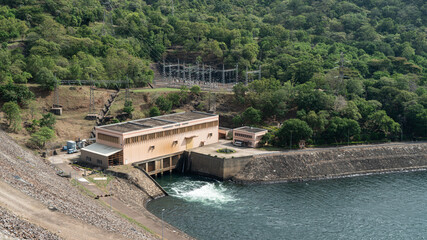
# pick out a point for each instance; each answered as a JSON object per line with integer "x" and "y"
{"x": 100, "y": 184}
{"x": 82, "y": 188}
{"x": 131, "y": 220}
{"x": 156, "y": 90}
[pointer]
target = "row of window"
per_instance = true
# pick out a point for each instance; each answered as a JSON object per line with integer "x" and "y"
{"x": 170, "y": 132}
{"x": 243, "y": 135}
{"x": 108, "y": 138}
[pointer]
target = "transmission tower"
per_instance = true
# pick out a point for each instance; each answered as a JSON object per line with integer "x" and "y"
{"x": 92, "y": 98}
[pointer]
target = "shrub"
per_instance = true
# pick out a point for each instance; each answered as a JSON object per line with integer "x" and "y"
{"x": 154, "y": 111}
{"x": 195, "y": 89}
{"x": 42, "y": 136}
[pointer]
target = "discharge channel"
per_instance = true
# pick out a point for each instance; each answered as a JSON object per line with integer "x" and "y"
{"x": 386, "y": 206}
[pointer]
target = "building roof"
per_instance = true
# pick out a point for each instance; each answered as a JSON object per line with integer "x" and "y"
{"x": 250, "y": 129}
{"x": 156, "y": 121}
{"x": 101, "y": 149}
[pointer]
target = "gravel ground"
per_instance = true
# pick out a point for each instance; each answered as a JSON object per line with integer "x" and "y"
{"x": 33, "y": 176}
{"x": 12, "y": 227}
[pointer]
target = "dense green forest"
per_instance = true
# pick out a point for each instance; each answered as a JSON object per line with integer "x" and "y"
{"x": 379, "y": 92}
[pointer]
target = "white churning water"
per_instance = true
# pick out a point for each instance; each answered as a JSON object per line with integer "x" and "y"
{"x": 208, "y": 193}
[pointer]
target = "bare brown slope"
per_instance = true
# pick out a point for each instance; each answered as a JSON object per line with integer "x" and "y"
{"x": 31, "y": 176}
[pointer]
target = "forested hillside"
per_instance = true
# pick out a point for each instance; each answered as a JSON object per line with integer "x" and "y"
{"x": 347, "y": 70}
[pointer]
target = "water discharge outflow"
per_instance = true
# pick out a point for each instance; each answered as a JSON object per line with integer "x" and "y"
{"x": 208, "y": 193}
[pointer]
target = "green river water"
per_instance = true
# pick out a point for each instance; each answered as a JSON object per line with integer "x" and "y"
{"x": 386, "y": 206}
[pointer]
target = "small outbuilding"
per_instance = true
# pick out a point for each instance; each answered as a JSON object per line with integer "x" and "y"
{"x": 225, "y": 133}
{"x": 248, "y": 136}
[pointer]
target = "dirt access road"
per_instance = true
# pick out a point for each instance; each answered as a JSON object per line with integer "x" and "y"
{"x": 56, "y": 222}
{"x": 142, "y": 216}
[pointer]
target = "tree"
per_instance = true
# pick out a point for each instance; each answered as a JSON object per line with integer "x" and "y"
{"x": 46, "y": 78}
{"x": 342, "y": 129}
{"x": 175, "y": 98}
{"x": 154, "y": 111}
{"x": 42, "y": 136}
{"x": 13, "y": 115}
{"x": 239, "y": 91}
{"x": 48, "y": 120}
{"x": 237, "y": 121}
{"x": 382, "y": 126}
{"x": 195, "y": 89}
{"x": 128, "y": 107}
{"x": 293, "y": 130}
{"x": 251, "y": 116}
{"x": 164, "y": 104}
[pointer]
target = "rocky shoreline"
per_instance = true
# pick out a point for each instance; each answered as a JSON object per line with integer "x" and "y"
{"x": 317, "y": 164}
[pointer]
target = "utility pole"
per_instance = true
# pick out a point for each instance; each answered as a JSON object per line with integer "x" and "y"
{"x": 56, "y": 93}
{"x": 179, "y": 70}
{"x": 162, "y": 221}
{"x": 183, "y": 71}
{"x": 164, "y": 70}
{"x": 210, "y": 76}
{"x": 223, "y": 74}
{"x": 203, "y": 73}
{"x": 237, "y": 73}
{"x": 170, "y": 73}
{"x": 92, "y": 96}
{"x": 173, "y": 9}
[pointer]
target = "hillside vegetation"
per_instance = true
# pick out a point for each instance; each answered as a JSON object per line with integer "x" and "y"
{"x": 346, "y": 70}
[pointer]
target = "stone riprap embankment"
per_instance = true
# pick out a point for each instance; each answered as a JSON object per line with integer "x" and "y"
{"x": 334, "y": 162}
{"x": 13, "y": 227}
{"x": 133, "y": 186}
{"x": 32, "y": 176}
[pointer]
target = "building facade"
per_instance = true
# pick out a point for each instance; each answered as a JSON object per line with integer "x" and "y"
{"x": 150, "y": 138}
{"x": 248, "y": 136}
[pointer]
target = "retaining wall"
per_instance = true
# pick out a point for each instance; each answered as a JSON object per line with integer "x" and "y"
{"x": 333, "y": 163}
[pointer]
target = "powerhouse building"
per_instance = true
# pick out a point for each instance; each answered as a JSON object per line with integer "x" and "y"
{"x": 150, "y": 138}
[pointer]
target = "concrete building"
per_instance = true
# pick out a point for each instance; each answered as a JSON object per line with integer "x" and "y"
{"x": 161, "y": 138}
{"x": 225, "y": 133}
{"x": 248, "y": 136}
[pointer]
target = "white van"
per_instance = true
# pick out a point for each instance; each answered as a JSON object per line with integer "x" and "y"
{"x": 238, "y": 143}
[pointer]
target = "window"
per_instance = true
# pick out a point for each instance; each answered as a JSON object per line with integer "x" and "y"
{"x": 108, "y": 138}
{"x": 99, "y": 161}
{"x": 210, "y": 134}
{"x": 243, "y": 135}
{"x": 88, "y": 159}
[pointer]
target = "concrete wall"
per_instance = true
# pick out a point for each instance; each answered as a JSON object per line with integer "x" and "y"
{"x": 94, "y": 157}
{"x": 219, "y": 168}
